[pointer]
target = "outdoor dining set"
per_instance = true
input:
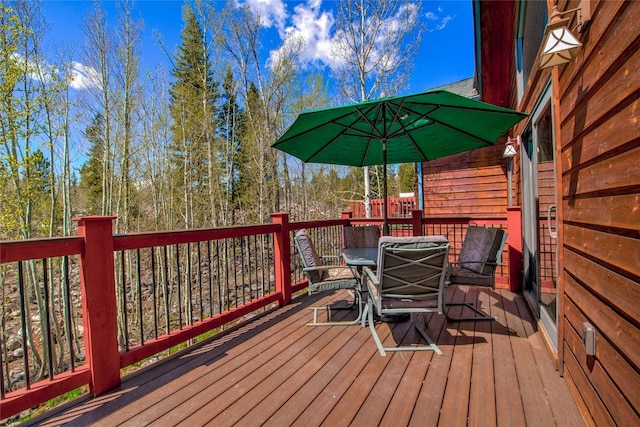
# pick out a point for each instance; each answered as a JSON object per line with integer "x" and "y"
{"x": 393, "y": 279}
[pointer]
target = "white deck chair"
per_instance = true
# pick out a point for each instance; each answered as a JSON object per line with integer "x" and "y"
{"x": 410, "y": 279}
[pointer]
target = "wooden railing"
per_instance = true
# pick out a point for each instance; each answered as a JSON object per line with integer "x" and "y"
{"x": 398, "y": 207}
{"x": 110, "y": 301}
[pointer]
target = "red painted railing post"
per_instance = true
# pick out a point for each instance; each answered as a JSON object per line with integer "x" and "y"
{"x": 416, "y": 222}
{"x": 282, "y": 255}
{"x": 99, "y": 308}
{"x": 514, "y": 247}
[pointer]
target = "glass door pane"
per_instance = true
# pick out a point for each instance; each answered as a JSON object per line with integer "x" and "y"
{"x": 547, "y": 247}
{"x": 539, "y": 219}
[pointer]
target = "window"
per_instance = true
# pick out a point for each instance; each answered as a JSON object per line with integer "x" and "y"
{"x": 532, "y": 21}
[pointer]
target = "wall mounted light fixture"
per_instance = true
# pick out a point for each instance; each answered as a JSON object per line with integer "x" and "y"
{"x": 509, "y": 153}
{"x": 560, "y": 45}
{"x": 510, "y": 148}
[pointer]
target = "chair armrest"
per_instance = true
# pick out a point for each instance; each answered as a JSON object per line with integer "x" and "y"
{"x": 371, "y": 284}
{"x": 369, "y": 275}
{"x": 475, "y": 262}
{"x": 328, "y": 268}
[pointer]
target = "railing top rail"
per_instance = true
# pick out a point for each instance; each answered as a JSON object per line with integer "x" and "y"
{"x": 319, "y": 223}
{"x": 435, "y": 220}
{"x": 23, "y": 250}
{"x": 163, "y": 238}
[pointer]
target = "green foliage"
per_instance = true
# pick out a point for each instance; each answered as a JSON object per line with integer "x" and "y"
{"x": 25, "y": 172}
{"x": 192, "y": 153}
{"x": 56, "y": 401}
{"x": 91, "y": 171}
{"x": 232, "y": 154}
{"x": 407, "y": 177}
{"x": 193, "y": 97}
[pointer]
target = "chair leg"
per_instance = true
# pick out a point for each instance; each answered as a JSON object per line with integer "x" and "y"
{"x": 357, "y": 301}
{"x": 365, "y": 315}
{"x": 372, "y": 327}
{"x": 421, "y": 331}
{"x": 383, "y": 350}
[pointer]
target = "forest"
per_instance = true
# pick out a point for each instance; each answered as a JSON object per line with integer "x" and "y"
{"x": 186, "y": 147}
{"x": 168, "y": 149}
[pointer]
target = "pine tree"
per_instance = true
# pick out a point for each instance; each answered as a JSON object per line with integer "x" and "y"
{"x": 193, "y": 97}
{"x": 233, "y": 158}
{"x": 91, "y": 172}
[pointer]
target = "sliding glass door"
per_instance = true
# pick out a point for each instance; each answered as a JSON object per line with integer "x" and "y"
{"x": 539, "y": 219}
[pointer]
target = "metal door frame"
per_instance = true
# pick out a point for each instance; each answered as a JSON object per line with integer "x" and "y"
{"x": 531, "y": 217}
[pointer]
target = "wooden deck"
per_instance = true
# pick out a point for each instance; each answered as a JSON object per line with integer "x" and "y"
{"x": 276, "y": 371}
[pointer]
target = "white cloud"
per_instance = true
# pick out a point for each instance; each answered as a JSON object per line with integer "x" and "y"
{"x": 83, "y": 77}
{"x": 443, "y": 23}
{"x": 440, "y": 23}
{"x": 311, "y": 26}
{"x": 431, "y": 16}
{"x": 272, "y": 13}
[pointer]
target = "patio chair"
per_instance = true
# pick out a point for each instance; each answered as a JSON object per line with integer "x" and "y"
{"x": 366, "y": 236}
{"x": 360, "y": 237}
{"x": 327, "y": 277}
{"x": 410, "y": 279}
{"x": 476, "y": 265}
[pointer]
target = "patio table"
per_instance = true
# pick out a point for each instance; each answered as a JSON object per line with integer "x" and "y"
{"x": 360, "y": 257}
{"x": 368, "y": 257}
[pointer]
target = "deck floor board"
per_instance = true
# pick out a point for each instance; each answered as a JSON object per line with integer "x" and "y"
{"x": 274, "y": 370}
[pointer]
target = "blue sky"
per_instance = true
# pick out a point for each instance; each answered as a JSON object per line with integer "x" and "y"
{"x": 446, "y": 53}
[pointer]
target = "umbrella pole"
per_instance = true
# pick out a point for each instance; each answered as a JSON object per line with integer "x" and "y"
{"x": 385, "y": 222}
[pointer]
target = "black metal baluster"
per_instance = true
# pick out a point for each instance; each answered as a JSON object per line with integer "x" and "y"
{"x": 271, "y": 262}
{"x": 153, "y": 292}
{"x": 260, "y": 244}
{"x": 200, "y": 281}
{"x": 140, "y": 316}
{"x": 242, "y": 270}
{"x": 166, "y": 290}
{"x": 219, "y": 278}
{"x": 188, "y": 277}
{"x": 179, "y": 282}
{"x": 251, "y": 256}
{"x": 68, "y": 319}
{"x": 226, "y": 275}
{"x": 235, "y": 273}
{"x": 210, "y": 268}
{"x": 125, "y": 317}
{"x": 23, "y": 323}
{"x": 47, "y": 321}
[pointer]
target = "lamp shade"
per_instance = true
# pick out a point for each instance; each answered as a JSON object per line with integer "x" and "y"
{"x": 559, "y": 46}
{"x": 509, "y": 151}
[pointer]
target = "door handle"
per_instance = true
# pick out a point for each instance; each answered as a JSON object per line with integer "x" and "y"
{"x": 552, "y": 233}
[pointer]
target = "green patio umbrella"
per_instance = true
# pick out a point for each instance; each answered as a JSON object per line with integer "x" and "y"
{"x": 403, "y": 129}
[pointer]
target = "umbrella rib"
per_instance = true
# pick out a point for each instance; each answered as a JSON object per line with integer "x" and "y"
{"x": 404, "y": 126}
{"x": 347, "y": 128}
{"x": 315, "y": 128}
{"x": 420, "y": 116}
{"x": 363, "y": 116}
{"x": 448, "y": 126}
